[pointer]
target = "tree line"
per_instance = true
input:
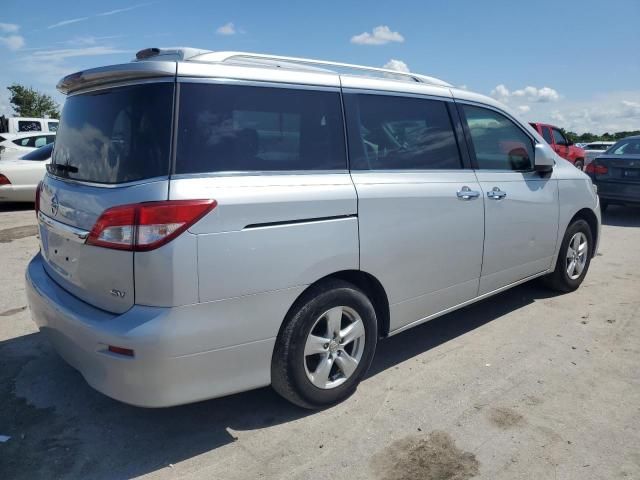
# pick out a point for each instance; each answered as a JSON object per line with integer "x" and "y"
{"x": 605, "y": 137}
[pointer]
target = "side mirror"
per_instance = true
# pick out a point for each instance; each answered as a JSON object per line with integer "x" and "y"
{"x": 543, "y": 161}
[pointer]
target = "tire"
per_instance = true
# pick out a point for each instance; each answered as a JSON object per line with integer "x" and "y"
{"x": 296, "y": 373}
{"x": 579, "y": 164}
{"x": 560, "y": 279}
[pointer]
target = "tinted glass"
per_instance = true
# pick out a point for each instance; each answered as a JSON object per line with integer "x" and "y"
{"x": 29, "y": 126}
{"x": 117, "y": 135}
{"x": 42, "y": 153}
{"x": 392, "y": 132}
{"x": 546, "y": 134}
{"x": 498, "y": 142}
{"x": 626, "y": 147}
{"x": 53, "y": 126}
{"x": 243, "y": 128}
{"x": 558, "y": 137}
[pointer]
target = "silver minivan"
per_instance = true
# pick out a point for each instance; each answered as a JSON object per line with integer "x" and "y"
{"x": 213, "y": 222}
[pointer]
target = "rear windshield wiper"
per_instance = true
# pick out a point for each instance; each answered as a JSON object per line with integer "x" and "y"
{"x": 56, "y": 169}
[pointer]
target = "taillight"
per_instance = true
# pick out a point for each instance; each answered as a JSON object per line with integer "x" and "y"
{"x": 145, "y": 226}
{"x": 596, "y": 169}
{"x": 37, "y": 207}
{"x": 4, "y": 180}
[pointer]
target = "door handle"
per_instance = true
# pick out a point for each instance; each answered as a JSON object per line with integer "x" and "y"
{"x": 465, "y": 193}
{"x": 496, "y": 194}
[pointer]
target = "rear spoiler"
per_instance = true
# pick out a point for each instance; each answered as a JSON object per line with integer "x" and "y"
{"x": 115, "y": 73}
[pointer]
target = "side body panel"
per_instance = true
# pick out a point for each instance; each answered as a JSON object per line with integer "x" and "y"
{"x": 271, "y": 232}
{"x": 422, "y": 242}
{"x": 520, "y": 229}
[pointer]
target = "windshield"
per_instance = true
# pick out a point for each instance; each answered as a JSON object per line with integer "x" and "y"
{"x": 42, "y": 153}
{"x": 630, "y": 146}
{"x": 116, "y": 135}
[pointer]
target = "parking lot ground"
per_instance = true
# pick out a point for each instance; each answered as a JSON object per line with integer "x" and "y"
{"x": 527, "y": 384}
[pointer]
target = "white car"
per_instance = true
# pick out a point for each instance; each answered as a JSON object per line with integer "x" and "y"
{"x": 19, "y": 177}
{"x": 594, "y": 149}
{"x": 13, "y": 144}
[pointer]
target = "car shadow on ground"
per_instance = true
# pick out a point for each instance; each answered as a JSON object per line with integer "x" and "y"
{"x": 15, "y": 206}
{"x": 620, "y": 216}
{"x": 61, "y": 428}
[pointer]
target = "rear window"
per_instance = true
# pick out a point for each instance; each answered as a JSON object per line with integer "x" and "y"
{"x": 626, "y": 147}
{"x": 116, "y": 135}
{"x": 225, "y": 128}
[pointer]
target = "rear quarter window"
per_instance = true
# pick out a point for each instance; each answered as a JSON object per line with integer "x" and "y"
{"x": 29, "y": 126}
{"x": 226, "y": 128}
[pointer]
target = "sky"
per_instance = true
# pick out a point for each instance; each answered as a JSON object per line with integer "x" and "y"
{"x": 575, "y": 64}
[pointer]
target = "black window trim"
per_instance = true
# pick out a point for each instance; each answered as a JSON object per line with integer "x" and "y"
{"x": 456, "y": 127}
{"x": 467, "y": 133}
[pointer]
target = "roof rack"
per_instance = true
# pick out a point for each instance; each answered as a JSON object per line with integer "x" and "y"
{"x": 276, "y": 61}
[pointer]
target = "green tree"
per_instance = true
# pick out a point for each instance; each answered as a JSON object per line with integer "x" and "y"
{"x": 28, "y": 102}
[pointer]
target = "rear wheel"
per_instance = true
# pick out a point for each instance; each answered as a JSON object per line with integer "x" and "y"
{"x": 574, "y": 258}
{"x": 579, "y": 164}
{"x": 325, "y": 346}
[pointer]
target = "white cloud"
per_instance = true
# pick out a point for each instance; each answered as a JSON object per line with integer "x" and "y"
{"x": 62, "y": 53}
{"x": 9, "y": 27}
{"x": 609, "y": 112}
{"x": 102, "y": 14}
{"x": 380, "y": 35}
{"x": 12, "y": 42}
{"x": 67, "y": 22}
{"x": 524, "y": 108}
{"x": 531, "y": 94}
{"x": 122, "y": 10}
{"x": 397, "y": 65}
{"x": 227, "y": 29}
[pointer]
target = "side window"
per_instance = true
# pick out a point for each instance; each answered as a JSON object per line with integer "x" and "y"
{"x": 40, "y": 142}
{"x": 245, "y": 128}
{"x": 24, "y": 142}
{"x": 391, "y": 133}
{"x": 559, "y": 137}
{"x": 498, "y": 142}
{"x": 53, "y": 126}
{"x": 546, "y": 134}
{"x": 29, "y": 126}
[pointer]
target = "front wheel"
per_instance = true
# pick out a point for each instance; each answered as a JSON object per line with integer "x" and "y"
{"x": 325, "y": 346}
{"x": 574, "y": 258}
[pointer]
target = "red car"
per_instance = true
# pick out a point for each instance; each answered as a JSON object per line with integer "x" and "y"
{"x": 560, "y": 144}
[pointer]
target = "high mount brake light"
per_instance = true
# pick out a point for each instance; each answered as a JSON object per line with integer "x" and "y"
{"x": 141, "y": 227}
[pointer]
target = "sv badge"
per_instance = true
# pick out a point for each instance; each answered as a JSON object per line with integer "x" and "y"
{"x": 117, "y": 293}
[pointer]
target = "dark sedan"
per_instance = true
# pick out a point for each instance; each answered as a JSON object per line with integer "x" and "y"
{"x": 616, "y": 172}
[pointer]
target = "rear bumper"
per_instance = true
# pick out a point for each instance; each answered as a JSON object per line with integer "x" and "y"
{"x": 627, "y": 193}
{"x": 17, "y": 193}
{"x": 165, "y": 369}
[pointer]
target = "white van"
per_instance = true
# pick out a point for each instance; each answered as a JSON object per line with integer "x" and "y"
{"x": 27, "y": 124}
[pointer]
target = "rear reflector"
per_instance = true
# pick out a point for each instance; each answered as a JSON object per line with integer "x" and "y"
{"x": 121, "y": 351}
{"x": 146, "y": 226}
{"x": 4, "y": 180}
